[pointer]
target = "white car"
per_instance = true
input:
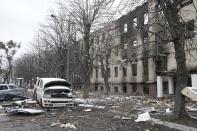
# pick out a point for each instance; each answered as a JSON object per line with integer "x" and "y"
{"x": 53, "y": 92}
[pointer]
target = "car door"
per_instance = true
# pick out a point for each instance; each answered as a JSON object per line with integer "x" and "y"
{"x": 39, "y": 89}
{"x": 14, "y": 90}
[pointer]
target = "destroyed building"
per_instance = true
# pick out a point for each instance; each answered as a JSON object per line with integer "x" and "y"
{"x": 142, "y": 59}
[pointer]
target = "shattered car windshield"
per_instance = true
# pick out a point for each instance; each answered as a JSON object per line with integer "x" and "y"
{"x": 57, "y": 83}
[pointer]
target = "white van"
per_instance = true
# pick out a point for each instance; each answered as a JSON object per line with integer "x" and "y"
{"x": 53, "y": 92}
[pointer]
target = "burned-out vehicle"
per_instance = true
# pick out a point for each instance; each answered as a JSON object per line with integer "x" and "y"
{"x": 53, "y": 92}
{"x": 10, "y": 92}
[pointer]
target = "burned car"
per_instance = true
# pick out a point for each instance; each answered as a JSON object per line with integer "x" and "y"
{"x": 53, "y": 92}
{"x": 10, "y": 92}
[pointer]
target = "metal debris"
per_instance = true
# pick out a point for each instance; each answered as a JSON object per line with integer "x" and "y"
{"x": 24, "y": 111}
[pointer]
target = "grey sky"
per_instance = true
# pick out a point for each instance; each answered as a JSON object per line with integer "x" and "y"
{"x": 19, "y": 19}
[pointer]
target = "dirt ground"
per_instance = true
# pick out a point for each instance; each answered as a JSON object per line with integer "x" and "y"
{"x": 104, "y": 115}
{"x": 96, "y": 120}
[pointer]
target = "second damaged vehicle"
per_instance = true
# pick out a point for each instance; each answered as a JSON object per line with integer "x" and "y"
{"x": 53, "y": 92}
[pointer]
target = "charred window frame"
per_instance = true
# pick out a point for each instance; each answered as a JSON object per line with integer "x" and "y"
{"x": 146, "y": 89}
{"x": 190, "y": 25}
{"x": 96, "y": 70}
{"x": 102, "y": 88}
{"x": 96, "y": 87}
{"x": 134, "y": 69}
{"x": 134, "y": 22}
{"x": 109, "y": 72}
{"x": 124, "y": 87}
{"x": 116, "y": 89}
{"x": 124, "y": 71}
{"x": 125, "y": 27}
{"x": 116, "y": 71}
{"x": 134, "y": 87}
{"x": 145, "y": 18}
{"x": 161, "y": 63}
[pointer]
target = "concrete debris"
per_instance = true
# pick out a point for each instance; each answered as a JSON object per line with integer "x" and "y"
{"x": 168, "y": 110}
{"x": 55, "y": 124}
{"x": 117, "y": 117}
{"x": 143, "y": 117}
{"x": 86, "y": 105}
{"x": 91, "y": 106}
{"x": 69, "y": 126}
{"x": 24, "y": 111}
{"x": 125, "y": 118}
{"x": 193, "y": 109}
{"x": 190, "y": 92}
{"x": 87, "y": 110}
{"x": 21, "y": 102}
{"x": 99, "y": 107}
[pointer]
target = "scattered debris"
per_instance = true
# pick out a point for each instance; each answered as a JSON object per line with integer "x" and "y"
{"x": 69, "y": 126}
{"x": 153, "y": 110}
{"x": 91, "y": 106}
{"x": 20, "y": 102}
{"x": 143, "y": 117}
{"x": 87, "y": 110}
{"x": 117, "y": 117}
{"x": 99, "y": 107}
{"x": 86, "y": 105}
{"x": 10, "y": 105}
{"x": 55, "y": 124}
{"x": 24, "y": 111}
{"x": 125, "y": 118}
{"x": 11, "y": 97}
{"x": 168, "y": 110}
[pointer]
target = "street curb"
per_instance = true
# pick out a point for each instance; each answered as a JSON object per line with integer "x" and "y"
{"x": 173, "y": 125}
{"x": 160, "y": 122}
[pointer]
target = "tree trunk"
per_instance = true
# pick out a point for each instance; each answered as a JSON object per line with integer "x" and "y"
{"x": 106, "y": 84}
{"x": 86, "y": 85}
{"x": 86, "y": 65}
{"x": 181, "y": 81}
{"x": 177, "y": 31}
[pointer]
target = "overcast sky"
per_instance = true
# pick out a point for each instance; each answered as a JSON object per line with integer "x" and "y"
{"x": 20, "y": 19}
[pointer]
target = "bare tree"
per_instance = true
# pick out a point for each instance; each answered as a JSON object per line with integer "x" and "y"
{"x": 10, "y": 49}
{"x": 103, "y": 49}
{"x": 88, "y": 15}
